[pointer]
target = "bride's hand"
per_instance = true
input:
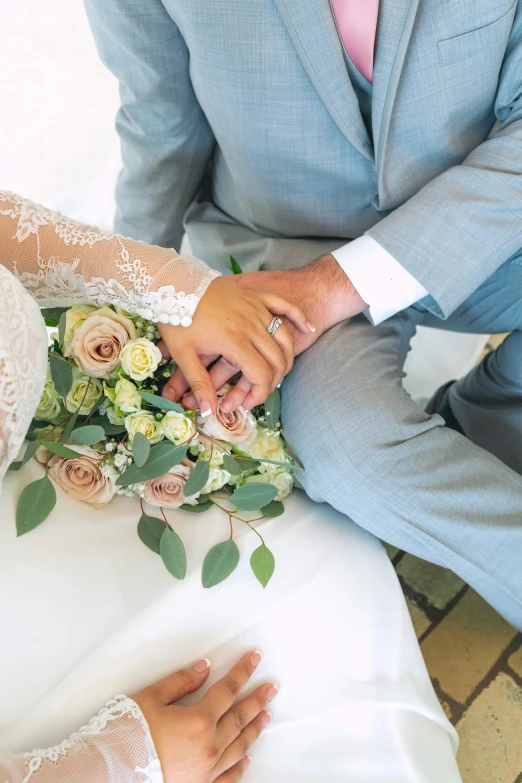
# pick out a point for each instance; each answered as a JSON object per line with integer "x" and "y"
{"x": 231, "y": 321}
{"x": 208, "y": 741}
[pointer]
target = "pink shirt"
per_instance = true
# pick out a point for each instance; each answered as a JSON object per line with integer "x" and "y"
{"x": 357, "y": 23}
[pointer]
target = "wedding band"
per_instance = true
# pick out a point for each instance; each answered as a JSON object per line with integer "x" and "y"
{"x": 274, "y": 325}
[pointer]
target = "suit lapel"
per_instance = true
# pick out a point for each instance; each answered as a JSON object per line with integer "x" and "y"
{"x": 394, "y": 29}
{"x": 311, "y": 26}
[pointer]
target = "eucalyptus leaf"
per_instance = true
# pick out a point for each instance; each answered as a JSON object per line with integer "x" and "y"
{"x": 160, "y": 402}
{"x": 150, "y": 530}
{"x": 140, "y": 449}
{"x": 88, "y": 435}
{"x": 252, "y": 496}
{"x": 236, "y": 269}
{"x": 247, "y": 464}
{"x": 262, "y": 564}
{"x": 53, "y": 313}
{"x": 61, "y": 374}
{"x": 197, "y": 479}
{"x": 161, "y": 460}
{"x": 29, "y": 452}
{"x": 61, "y": 327}
{"x": 61, "y": 450}
{"x": 64, "y": 437}
{"x": 273, "y": 409}
{"x": 108, "y": 428}
{"x": 288, "y": 465}
{"x": 14, "y": 466}
{"x": 232, "y": 466}
{"x": 199, "y": 508}
{"x": 173, "y": 553}
{"x": 219, "y": 563}
{"x": 273, "y": 509}
{"x": 34, "y": 505}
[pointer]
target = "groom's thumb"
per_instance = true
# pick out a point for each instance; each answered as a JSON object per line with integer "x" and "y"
{"x": 199, "y": 381}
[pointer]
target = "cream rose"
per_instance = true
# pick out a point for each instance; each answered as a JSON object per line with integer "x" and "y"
{"x": 51, "y": 404}
{"x": 140, "y": 359}
{"x": 97, "y": 344}
{"x": 74, "y": 318}
{"x": 177, "y": 427}
{"x": 124, "y": 397}
{"x": 144, "y": 422}
{"x": 236, "y": 427}
{"x": 281, "y": 478}
{"x": 267, "y": 445}
{"x": 217, "y": 478}
{"x": 167, "y": 490}
{"x": 79, "y": 393}
{"x": 82, "y": 479}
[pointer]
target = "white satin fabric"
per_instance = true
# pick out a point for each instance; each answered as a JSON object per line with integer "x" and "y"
{"x": 87, "y": 611}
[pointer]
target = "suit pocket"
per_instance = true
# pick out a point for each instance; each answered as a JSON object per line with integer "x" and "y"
{"x": 476, "y": 42}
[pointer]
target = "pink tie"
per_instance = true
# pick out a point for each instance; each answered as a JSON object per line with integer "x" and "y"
{"x": 357, "y": 23}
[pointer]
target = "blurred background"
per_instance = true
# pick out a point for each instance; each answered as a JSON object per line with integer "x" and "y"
{"x": 58, "y": 147}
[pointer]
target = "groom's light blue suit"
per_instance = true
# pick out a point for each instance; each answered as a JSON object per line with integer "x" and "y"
{"x": 239, "y": 123}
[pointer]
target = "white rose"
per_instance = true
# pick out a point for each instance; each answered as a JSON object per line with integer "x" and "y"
{"x": 144, "y": 422}
{"x": 281, "y": 478}
{"x": 140, "y": 359}
{"x": 217, "y": 479}
{"x": 177, "y": 427}
{"x": 268, "y": 445}
{"x": 79, "y": 393}
{"x": 124, "y": 398}
{"x": 51, "y": 404}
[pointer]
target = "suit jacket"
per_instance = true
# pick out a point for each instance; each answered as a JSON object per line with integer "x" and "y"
{"x": 240, "y": 118}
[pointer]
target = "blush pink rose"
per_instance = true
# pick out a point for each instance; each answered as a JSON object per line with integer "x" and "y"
{"x": 236, "y": 427}
{"x": 168, "y": 490}
{"x": 81, "y": 479}
{"x": 98, "y": 342}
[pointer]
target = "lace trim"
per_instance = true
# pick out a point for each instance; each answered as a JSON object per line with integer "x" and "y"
{"x": 57, "y": 282}
{"x": 115, "y": 709}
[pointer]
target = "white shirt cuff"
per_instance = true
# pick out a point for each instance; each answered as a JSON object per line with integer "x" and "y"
{"x": 379, "y": 278}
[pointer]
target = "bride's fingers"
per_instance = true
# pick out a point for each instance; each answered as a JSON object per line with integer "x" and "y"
{"x": 240, "y": 747}
{"x": 177, "y": 385}
{"x": 279, "y": 306}
{"x": 236, "y": 396}
{"x": 235, "y": 773}
{"x": 220, "y": 373}
{"x": 198, "y": 379}
{"x": 222, "y": 695}
{"x": 231, "y": 725}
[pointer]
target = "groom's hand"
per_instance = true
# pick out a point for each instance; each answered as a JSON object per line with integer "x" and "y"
{"x": 324, "y": 293}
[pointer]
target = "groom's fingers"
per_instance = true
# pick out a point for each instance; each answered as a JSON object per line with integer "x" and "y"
{"x": 177, "y": 385}
{"x": 220, "y": 373}
{"x": 236, "y": 396}
{"x": 198, "y": 379}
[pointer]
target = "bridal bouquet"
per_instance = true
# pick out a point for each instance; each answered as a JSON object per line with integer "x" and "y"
{"x": 102, "y": 429}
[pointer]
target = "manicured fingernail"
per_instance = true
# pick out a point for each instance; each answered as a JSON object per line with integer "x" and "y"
{"x": 266, "y": 719}
{"x": 255, "y": 658}
{"x": 272, "y": 693}
{"x": 169, "y": 393}
{"x": 205, "y": 408}
{"x": 309, "y": 325}
{"x": 247, "y": 761}
{"x": 279, "y": 385}
{"x": 202, "y": 666}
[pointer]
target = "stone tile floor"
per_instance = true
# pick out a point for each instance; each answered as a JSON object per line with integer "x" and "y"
{"x": 475, "y": 662}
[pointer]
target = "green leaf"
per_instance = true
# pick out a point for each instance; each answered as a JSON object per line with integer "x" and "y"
{"x": 219, "y": 563}
{"x": 88, "y": 436}
{"x": 289, "y": 465}
{"x": 53, "y": 313}
{"x": 199, "y": 508}
{"x": 273, "y": 509}
{"x": 60, "y": 449}
{"x": 61, "y": 328}
{"x": 236, "y": 269}
{"x": 273, "y": 409}
{"x": 34, "y": 505}
{"x": 140, "y": 449}
{"x": 108, "y": 428}
{"x": 150, "y": 530}
{"x": 262, "y": 564}
{"x": 64, "y": 437}
{"x": 160, "y": 402}
{"x": 252, "y": 496}
{"x": 232, "y": 465}
{"x": 29, "y": 452}
{"x": 61, "y": 374}
{"x": 161, "y": 460}
{"x": 247, "y": 463}
{"x": 173, "y": 553}
{"x": 14, "y": 466}
{"x": 197, "y": 479}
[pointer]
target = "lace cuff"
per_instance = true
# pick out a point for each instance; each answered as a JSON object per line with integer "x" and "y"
{"x": 64, "y": 263}
{"x": 114, "y": 747}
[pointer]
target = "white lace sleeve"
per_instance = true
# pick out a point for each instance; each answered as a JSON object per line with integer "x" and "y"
{"x": 64, "y": 263}
{"x": 115, "y": 747}
{"x": 23, "y": 365}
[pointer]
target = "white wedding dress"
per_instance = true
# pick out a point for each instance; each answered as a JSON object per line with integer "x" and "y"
{"x": 86, "y": 611}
